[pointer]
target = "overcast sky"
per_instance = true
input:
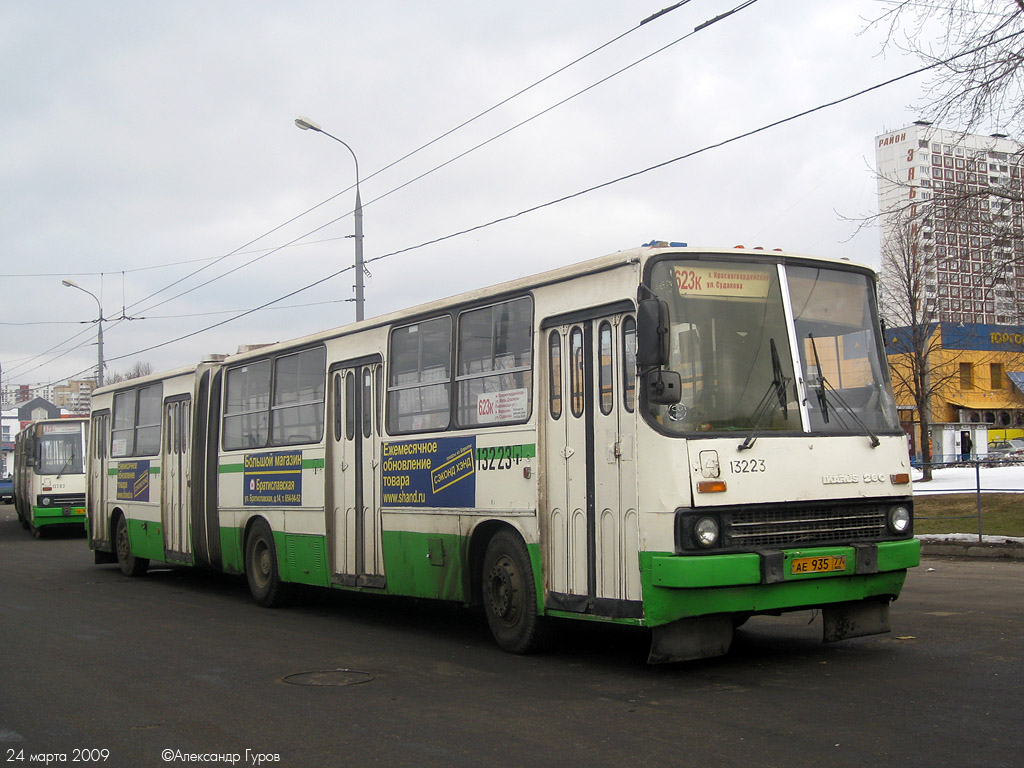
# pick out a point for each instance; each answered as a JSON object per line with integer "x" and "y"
{"x": 143, "y": 140}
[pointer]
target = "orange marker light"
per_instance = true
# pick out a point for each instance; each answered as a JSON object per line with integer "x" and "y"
{"x": 711, "y": 486}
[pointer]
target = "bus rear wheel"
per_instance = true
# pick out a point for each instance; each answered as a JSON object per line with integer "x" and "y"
{"x": 261, "y": 567}
{"x": 129, "y": 564}
{"x": 510, "y": 596}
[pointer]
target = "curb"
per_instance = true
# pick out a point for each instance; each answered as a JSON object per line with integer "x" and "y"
{"x": 1007, "y": 550}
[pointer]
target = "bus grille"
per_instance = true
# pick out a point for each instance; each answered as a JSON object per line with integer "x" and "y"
{"x": 781, "y": 526}
{"x": 62, "y": 499}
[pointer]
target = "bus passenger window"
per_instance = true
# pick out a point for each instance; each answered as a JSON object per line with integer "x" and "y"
{"x": 298, "y": 407}
{"x": 337, "y": 407}
{"x": 555, "y": 375}
{"x": 576, "y": 371}
{"x": 350, "y": 406}
{"x": 419, "y": 376}
{"x": 147, "y": 433}
{"x": 495, "y": 357}
{"x": 247, "y": 398}
{"x": 122, "y": 437}
{"x": 367, "y": 402}
{"x": 629, "y": 362}
{"x": 604, "y": 371}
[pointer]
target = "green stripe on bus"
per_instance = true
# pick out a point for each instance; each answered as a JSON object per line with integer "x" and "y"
{"x": 525, "y": 451}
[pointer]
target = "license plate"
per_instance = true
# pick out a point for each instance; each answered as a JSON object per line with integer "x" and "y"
{"x": 818, "y": 564}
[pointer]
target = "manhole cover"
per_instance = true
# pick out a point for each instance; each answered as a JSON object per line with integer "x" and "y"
{"x": 329, "y": 677}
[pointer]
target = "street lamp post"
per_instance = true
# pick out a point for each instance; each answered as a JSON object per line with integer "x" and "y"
{"x": 99, "y": 330}
{"x": 308, "y": 125}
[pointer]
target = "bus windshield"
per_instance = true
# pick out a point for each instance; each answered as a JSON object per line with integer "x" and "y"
{"x": 730, "y": 341}
{"x": 60, "y": 450}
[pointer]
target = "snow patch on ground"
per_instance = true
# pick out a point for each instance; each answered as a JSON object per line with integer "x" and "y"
{"x": 1002, "y": 479}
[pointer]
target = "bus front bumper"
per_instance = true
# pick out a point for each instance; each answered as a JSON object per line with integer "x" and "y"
{"x": 692, "y": 603}
{"x": 682, "y": 586}
{"x": 55, "y": 515}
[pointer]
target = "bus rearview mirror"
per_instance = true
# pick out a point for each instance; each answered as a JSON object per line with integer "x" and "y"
{"x": 663, "y": 387}
{"x": 651, "y": 333}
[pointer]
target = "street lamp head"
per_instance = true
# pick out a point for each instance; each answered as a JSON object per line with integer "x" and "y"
{"x": 69, "y": 283}
{"x": 307, "y": 125}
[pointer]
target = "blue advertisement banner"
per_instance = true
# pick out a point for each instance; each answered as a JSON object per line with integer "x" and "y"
{"x": 987, "y": 338}
{"x": 273, "y": 479}
{"x": 133, "y": 480}
{"x": 429, "y": 473}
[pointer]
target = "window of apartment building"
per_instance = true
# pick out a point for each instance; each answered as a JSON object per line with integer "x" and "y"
{"x": 996, "y": 373}
{"x": 966, "y": 376}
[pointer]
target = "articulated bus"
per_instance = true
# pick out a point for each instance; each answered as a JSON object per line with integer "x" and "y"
{"x": 666, "y": 437}
{"x": 49, "y": 474}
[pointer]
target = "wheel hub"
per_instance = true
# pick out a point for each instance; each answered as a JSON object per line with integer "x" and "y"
{"x": 504, "y": 591}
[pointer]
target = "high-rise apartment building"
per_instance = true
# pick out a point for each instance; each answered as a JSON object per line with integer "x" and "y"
{"x": 951, "y": 224}
{"x": 954, "y": 199}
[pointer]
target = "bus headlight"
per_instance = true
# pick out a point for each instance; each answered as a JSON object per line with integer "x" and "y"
{"x": 45, "y": 501}
{"x": 705, "y": 532}
{"x": 899, "y": 519}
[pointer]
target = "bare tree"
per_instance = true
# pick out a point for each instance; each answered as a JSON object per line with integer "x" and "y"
{"x": 136, "y": 371}
{"x": 976, "y": 47}
{"x": 911, "y": 338}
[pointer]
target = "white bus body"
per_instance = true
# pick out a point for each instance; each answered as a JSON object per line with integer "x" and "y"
{"x": 49, "y": 474}
{"x": 666, "y": 437}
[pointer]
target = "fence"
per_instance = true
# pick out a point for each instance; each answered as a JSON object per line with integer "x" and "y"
{"x": 976, "y": 475}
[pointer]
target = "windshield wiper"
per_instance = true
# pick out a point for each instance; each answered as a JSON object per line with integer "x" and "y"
{"x": 777, "y": 389}
{"x": 66, "y": 464}
{"x": 823, "y": 385}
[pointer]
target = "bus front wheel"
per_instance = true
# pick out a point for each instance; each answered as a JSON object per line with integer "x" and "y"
{"x": 129, "y": 564}
{"x": 261, "y": 567}
{"x": 510, "y": 596}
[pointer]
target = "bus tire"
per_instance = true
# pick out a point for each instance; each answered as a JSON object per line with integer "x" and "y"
{"x": 261, "y": 572}
{"x": 129, "y": 564}
{"x": 510, "y": 596}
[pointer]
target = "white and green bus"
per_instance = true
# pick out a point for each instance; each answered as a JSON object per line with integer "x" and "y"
{"x": 49, "y": 474}
{"x": 666, "y": 437}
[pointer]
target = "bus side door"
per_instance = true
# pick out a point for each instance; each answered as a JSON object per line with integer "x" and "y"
{"x": 590, "y": 512}
{"x": 96, "y": 496}
{"x": 353, "y": 506}
{"x": 175, "y": 479}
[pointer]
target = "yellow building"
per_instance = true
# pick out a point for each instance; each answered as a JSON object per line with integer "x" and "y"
{"x": 976, "y": 375}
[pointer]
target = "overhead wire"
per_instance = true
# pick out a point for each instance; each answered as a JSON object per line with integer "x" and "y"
{"x": 603, "y": 185}
{"x": 216, "y": 260}
{"x": 477, "y": 146}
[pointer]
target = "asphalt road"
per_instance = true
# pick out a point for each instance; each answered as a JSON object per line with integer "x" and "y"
{"x": 184, "y": 661}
